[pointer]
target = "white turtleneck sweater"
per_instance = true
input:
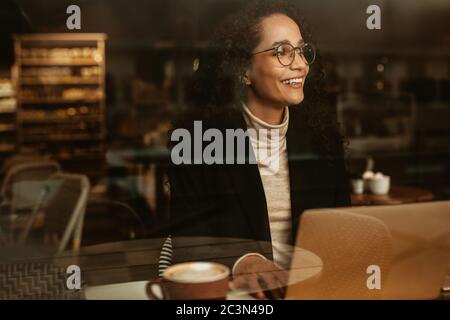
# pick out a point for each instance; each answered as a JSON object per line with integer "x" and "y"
{"x": 271, "y": 156}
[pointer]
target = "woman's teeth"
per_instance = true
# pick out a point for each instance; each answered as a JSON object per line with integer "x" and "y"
{"x": 293, "y": 81}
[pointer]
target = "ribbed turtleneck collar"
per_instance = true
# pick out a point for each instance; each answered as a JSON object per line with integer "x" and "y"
{"x": 256, "y": 123}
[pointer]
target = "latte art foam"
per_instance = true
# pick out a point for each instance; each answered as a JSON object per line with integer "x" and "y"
{"x": 195, "y": 272}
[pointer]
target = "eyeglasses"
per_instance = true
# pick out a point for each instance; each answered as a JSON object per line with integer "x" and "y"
{"x": 286, "y": 53}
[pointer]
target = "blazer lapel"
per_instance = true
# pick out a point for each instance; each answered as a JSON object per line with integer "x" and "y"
{"x": 248, "y": 187}
{"x": 300, "y": 150}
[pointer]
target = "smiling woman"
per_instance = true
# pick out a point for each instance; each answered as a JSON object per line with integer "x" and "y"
{"x": 275, "y": 77}
{"x": 266, "y": 53}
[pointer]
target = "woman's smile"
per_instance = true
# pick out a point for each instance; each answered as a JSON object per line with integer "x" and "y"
{"x": 295, "y": 82}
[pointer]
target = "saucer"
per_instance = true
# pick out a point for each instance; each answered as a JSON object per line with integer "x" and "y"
{"x": 136, "y": 290}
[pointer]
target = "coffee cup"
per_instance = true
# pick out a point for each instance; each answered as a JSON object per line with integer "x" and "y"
{"x": 367, "y": 177}
{"x": 358, "y": 186}
{"x": 191, "y": 281}
{"x": 380, "y": 185}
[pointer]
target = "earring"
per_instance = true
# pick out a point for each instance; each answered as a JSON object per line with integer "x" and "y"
{"x": 245, "y": 80}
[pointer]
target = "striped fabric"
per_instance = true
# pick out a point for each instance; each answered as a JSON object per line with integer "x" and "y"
{"x": 166, "y": 256}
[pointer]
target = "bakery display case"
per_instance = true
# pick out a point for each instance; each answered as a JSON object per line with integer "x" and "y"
{"x": 60, "y": 81}
{"x": 7, "y": 118}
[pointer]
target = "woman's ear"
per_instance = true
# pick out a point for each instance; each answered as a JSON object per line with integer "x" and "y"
{"x": 246, "y": 79}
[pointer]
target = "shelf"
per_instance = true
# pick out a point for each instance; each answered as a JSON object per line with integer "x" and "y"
{"x": 78, "y": 157}
{"x": 58, "y": 100}
{"x": 7, "y": 148}
{"x": 6, "y": 96}
{"x": 59, "y": 120}
{"x": 8, "y": 106}
{"x": 79, "y": 36}
{"x": 7, "y": 127}
{"x": 79, "y": 80}
{"x": 60, "y": 138}
{"x": 54, "y": 62}
{"x": 11, "y": 111}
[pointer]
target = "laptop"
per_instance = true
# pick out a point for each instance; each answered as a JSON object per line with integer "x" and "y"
{"x": 411, "y": 241}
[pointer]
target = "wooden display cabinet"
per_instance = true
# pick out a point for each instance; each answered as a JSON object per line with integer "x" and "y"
{"x": 60, "y": 84}
{"x": 7, "y": 118}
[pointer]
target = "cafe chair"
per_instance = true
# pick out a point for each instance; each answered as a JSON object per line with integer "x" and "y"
{"x": 22, "y": 158}
{"x": 66, "y": 210}
{"x": 109, "y": 220}
{"x": 30, "y": 171}
{"x": 23, "y": 196}
{"x": 348, "y": 245}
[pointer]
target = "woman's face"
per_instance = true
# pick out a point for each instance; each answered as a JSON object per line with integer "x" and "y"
{"x": 266, "y": 77}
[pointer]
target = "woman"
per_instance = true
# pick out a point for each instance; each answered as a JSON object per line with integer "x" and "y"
{"x": 265, "y": 53}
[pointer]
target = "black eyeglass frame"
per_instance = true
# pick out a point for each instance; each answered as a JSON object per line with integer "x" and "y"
{"x": 298, "y": 50}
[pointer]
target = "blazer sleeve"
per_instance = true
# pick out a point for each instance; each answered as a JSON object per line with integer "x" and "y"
{"x": 191, "y": 206}
{"x": 193, "y": 210}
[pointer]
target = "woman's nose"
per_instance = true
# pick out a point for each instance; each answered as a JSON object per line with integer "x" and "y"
{"x": 299, "y": 61}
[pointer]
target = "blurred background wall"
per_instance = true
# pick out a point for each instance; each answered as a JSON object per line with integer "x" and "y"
{"x": 390, "y": 87}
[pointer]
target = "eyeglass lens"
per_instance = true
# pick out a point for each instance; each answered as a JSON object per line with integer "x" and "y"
{"x": 285, "y": 53}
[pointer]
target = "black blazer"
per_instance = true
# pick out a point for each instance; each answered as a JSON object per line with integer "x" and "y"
{"x": 229, "y": 201}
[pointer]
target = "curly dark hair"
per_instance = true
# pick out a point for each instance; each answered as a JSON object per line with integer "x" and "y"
{"x": 218, "y": 81}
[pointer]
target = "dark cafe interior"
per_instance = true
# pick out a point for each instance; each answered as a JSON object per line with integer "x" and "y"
{"x": 120, "y": 178}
